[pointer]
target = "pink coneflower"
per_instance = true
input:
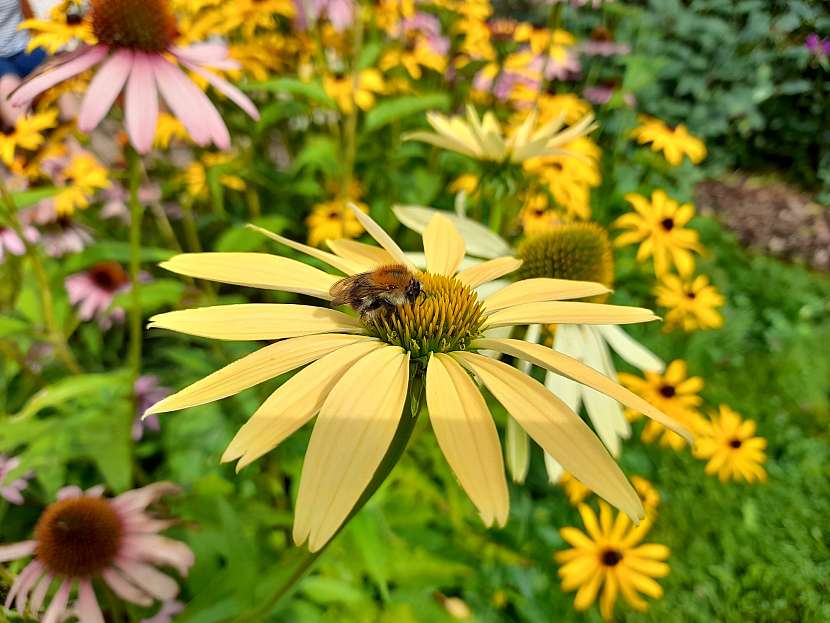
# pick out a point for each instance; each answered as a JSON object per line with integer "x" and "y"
{"x": 168, "y": 610}
{"x": 11, "y": 491}
{"x": 116, "y": 196}
{"x": 93, "y": 290}
{"x": 147, "y": 392}
{"x": 134, "y": 37}
{"x": 12, "y": 244}
{"x": 84, "y": 538}
{"x": 339, "y": 12}
{"x": 59, "y": 235}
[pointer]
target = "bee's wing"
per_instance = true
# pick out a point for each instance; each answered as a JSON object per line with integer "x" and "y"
{"x": 341, "y": 291}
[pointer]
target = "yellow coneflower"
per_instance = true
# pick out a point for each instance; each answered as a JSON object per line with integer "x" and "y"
{"x": 27, "y": 133}
{"x": 360, "y": 371}
{"x": 608, "y": 556}
{"x": 659, "y": 228}
{"x": 691, "y": 305}
{"x": 331, "y": 220}
{"x": 673, "y": 142}
{"x": 484, "y": 139}
{"x": 82, "y": 179}
{"x": 675, "y": 393}
{"x": 730, "y": 444}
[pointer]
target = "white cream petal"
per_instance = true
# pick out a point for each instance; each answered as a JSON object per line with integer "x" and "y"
{"x": 256, "y": 321}
{"x": 342, "y": 264}
{"x": 443, "y": 246}
{"x": 480, "y": 241}
{"x": 630, "y": 349}
{"x": 367, "y": 255}
{"x": 551, "y": 360}
{"x": 261, "y": 365}
{"x": 467, "y": 436}
{"x": 567, "y": 312}
{"x": 352, "y": 434}
{"x": 381, "y": 237}
{"x": 540, "y": 289}
{"x": 488, "y": 271}
{"x": 255, "y": 270}
{"x": 293, "y": 404}
{"x": 557, "y": 429}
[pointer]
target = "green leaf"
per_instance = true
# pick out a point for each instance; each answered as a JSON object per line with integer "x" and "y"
{"x": 112, "y": 251}
{"x": 393, "y": 109}
{"x": 239, "y": 238}
{"x": 26, "y": 198}
{"x": 294, "y": 86}
{"x": 68, "y": 389}
{"x": 12, "y": 326}
{"x": 154, "y": 295}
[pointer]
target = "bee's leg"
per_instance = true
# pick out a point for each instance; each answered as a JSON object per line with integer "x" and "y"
{"x": 370, "y": 309}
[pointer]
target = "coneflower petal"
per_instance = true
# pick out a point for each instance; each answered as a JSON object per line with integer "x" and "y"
{"x": 141, "y": 106}
{"x": 557, "y": 429}
{"x": 227, "y": 89}
{"x": 443, "y": 246}
{"x": 87, "y": 606}
{"x": 293, "y": 404}
{"x": 467, "y": 436}
{"x": 183, "y": 98}
{"x": 81, "y": 60}
{"x": 350, "y": 438}
{"x": 541, "y": 289}
{"x": 256, "y": 321}
{"x": 105, "y": 86}
{"x": 556, "y": 312}
{"x": 369, "y": 256}
{"x": 253, "y": 369}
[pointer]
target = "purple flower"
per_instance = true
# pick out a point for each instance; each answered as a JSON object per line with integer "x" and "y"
{"x": 116, "y": 197}
{"x": 603, "y": 48}
{"x": 147, "y": 393}
{"x": 817, "y": 45}
{"x": 339, "y": 12}
{"x": 93, "y": 290}
{"x": 423, "y": 23}
{"x": 59, "y": 235}
{"x": 13, "y": 490}
{"x": 11, "y": 243}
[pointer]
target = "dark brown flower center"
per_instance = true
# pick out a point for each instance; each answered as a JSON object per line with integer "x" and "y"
{"x": 108, "y": 276}
{"x": 78, "y": 537}
{"x": 145, "y": 25}
{"x": 667, "y": 391}
{"x": 667, "y": 223}
{"x": 735, "y": 443}
{"x": 73, "y": 19}
{"x": 690, "y": 295}
{"x": 610, "y": 557}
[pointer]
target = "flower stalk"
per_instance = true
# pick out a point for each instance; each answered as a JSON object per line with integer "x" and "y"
{"x": 55, "y": 335}
{"x": 136, "y": 214}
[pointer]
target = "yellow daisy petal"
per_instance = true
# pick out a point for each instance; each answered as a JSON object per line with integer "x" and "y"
{"x": 347, "y": 266}
{"x": 370, "y": 257}
{"x": 557, "y": 312}
{"x": 443, "y": 246}
{"x": 479, "y": 274}
{"x": 542, "y": 289}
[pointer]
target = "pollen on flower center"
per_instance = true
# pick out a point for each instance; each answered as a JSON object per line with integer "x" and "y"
{"x": 579, "y": 251}
{"x": 78, "y": 537}
{"x": 446, "y": 317}
{"x": 610, "y": 557}
{"x": 145, "y": 25}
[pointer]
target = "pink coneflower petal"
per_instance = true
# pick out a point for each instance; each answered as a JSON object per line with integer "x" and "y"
{"x": 37, "y": 85}
{"x": 141, "y": 106}
{"x": 87, "y": 605}
{"x": 202, "y": 53}
{"x": 95, "y": 492}
{"x": 17, "y": 550}
{"x": 160, "y": 550}
{"x": 12, "y": 493}
{"x": 25, "y": 579}
{"x": 227, "y": 89}
{"x": 71, "y": 491}
{"x": 39, "y": 594}
{"x": 149, "y": 579}
{"x": 125, "y": 589}
{"x": 104, "y": 88}
{"x": 182, "y": 96}
{"x": 59, "y": 602}
{"x": 139, "y": 499}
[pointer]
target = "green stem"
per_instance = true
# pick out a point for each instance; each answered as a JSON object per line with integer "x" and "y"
{"x": 136, "y": 214}
{"x": 191, "y": 232}
{"x": 55, "y": 335}
{"x": 409, "y": 417}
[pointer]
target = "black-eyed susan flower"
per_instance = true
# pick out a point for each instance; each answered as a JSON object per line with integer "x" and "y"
{"x": 575, "y": 490}
{"x": 608, "y": 556}
{"x": 196, "y": 173}
{"x": 675, "y": 143}
{"x": 649, "y": 496}
{"x": 83, "y": 540}
{"x": 134, "y": 42}
{"x": 731, "y": 447}
{"x": 692, "y": 304}
{"x": 484, "y": 138}
{"x": 674, "y": 392}
{"x": 67, "y": 23}
{"x": 359, "y": 370}
{"x": 577, "y": 253}
{"x": 350, "y": 91}
{"x": 659, "y": 227}
{"x": 332, "y": 220}
{"x": 27, "y": 133}
{"x": 80, "y": 179}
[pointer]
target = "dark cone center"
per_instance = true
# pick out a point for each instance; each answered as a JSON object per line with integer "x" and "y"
{"x": 108, "y": 276}
{"x": 667, "y": 391}
{"x": 735, "y": 443}
{"x": 667, "y": 223}
{"x": 611, "y": 557}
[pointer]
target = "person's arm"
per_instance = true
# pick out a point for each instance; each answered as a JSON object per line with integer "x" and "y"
{"x": 26, "y": 9}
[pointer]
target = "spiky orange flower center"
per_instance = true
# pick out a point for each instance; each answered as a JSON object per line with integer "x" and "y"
{"x": 78, "y": 537}
{"x": 109, "y": 276}
{"x": 145, "y": 25}
{"x": 446, "y": 317}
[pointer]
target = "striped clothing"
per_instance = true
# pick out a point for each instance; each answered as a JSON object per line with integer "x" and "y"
{"x": 12, "y": 40}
